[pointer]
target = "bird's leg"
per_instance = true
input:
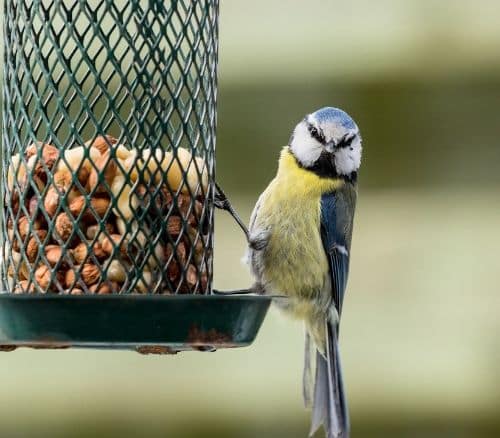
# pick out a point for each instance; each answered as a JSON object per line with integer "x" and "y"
{"x": 221, "y": 201}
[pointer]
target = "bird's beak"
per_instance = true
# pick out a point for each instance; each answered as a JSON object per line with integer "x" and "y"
{"x": 330, "y": 147}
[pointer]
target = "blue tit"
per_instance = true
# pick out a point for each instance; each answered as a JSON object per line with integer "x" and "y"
{"x": 299, "y": 247}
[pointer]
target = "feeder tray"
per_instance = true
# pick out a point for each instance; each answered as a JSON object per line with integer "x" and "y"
{"x": 145, "y": 323}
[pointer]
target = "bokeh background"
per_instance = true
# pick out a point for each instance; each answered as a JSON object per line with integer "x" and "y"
{"x": 420, "y": 331}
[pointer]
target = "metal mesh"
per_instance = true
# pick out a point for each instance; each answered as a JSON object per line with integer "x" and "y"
{"x": 108, "y": 145}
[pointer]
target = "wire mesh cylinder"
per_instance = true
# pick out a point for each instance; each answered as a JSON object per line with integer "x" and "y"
{"x": 109, "y": 117}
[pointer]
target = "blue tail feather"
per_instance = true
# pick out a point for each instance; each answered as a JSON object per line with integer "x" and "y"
{"x": 329, "y": 406}
{"x": 307, "y": 377}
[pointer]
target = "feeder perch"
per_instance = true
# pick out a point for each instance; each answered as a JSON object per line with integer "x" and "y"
{"x": 108, "y": 179}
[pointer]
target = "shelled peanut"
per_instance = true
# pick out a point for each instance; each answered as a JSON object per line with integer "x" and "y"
{"x": 102, "y": 218}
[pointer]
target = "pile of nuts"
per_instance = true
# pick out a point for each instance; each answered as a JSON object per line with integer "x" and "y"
{"x": 103, "y": 218}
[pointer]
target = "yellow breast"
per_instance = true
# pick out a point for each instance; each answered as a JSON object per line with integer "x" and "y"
{"x": 294, "y": 260}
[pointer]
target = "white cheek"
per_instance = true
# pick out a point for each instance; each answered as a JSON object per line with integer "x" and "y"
{"x": 304, "y": 147}
{"x": 347, "y": 160}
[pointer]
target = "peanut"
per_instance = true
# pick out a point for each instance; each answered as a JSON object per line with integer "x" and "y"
{"x": 45, "y": 282}
{"x": 33, "y": 246}
{"x": 190, "y": 209}
{"x": 90, "y": 274}
{"x": 77, "y": 206}
{"x": 98, "y": 206}
{"x": 143, "y": 240}
{"x": 51, "y": 201}
{"x": 106, "y": 167}
{"x": 156, "y": 259}
{"x": 203, "y": 282}
{"x": 93, "y": 230}
{"x": 24, "y": 270}
{"x": 53, "y": 254}
{"x": 102, "y": 143}
{"x": 173, "y": 272}
{"x": 135, "y": 165}
{"x": 176, "y": 261}
{"x": 70, "y": 277}
{"x": 196, "y": 240}
{"x": 19, "y": 265}
{"x": 191, "y": 276}
{"x": 48, "y": 158}
{"x": 173, "y": 166}
{"x": 83, "y": 176}
{"x": 120, "y": 225}
{"x": 63, "y": 180}
{"x": 74, "y": 158}
{"x": 160, "y": 167}
{"x": 15, "y": 265}
{"x": 108, "y": 244}
{"x": 115, "y": 271}
{"x": 33, "y": 203}
{"x": 127, "y": 202}
{"x": 39, "y": 184}
{"x": 181, "y": 251}
{"x": 174, "y": 226}
{"x": 197, "y": 178}
{"x": 42, "y": 277}
{"x": 122, "y": 152}
{"x": 98, "y": 251}
{"x": 12, "y": 199}
{"x": 101, "y": 289}
{"x": 80, "y": 253}
{"x": 16, "y": 172}
{"x": 23, "y": 227}
{"x": 187, "y": 164}
{"x": 63, "y": 226}
{"x": 144, "y": 283}
{"x": 12, "y": 239}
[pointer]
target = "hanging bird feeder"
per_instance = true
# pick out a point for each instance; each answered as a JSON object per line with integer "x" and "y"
{"x": 108, "y": 179}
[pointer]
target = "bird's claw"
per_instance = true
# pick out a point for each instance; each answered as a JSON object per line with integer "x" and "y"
{"x": 222, "y": 202}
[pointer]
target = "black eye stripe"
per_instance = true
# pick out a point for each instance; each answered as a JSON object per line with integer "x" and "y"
{"x": 316, "y": 133}
{"x": 346, "y": 141}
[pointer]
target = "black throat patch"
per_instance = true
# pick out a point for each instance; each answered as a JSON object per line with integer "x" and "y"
{"x": 324, "y": 167}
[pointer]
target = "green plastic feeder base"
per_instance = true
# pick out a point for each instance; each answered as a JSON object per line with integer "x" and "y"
{"x": 145, "y": 323}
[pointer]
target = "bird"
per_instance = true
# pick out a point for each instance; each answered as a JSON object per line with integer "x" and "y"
{"x": 299, "y": 244}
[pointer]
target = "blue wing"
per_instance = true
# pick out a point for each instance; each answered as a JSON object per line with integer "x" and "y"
{"x": 337, "y": 214}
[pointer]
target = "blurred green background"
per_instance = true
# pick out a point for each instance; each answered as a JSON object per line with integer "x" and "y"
{"x": 420, "y": 323}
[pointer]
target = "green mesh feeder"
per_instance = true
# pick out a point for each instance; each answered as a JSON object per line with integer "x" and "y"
{"x": 108, "y": 178}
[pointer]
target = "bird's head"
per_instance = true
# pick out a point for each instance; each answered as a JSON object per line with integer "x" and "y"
{"x": 327, "y": 142}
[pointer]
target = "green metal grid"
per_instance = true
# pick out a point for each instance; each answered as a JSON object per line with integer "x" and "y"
{"x": 143, "y": 71}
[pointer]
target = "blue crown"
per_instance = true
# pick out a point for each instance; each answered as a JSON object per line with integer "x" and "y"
{"x": 334, "y": 115}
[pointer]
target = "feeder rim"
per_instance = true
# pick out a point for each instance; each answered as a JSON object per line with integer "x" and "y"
{"x": 145, "y": 297}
